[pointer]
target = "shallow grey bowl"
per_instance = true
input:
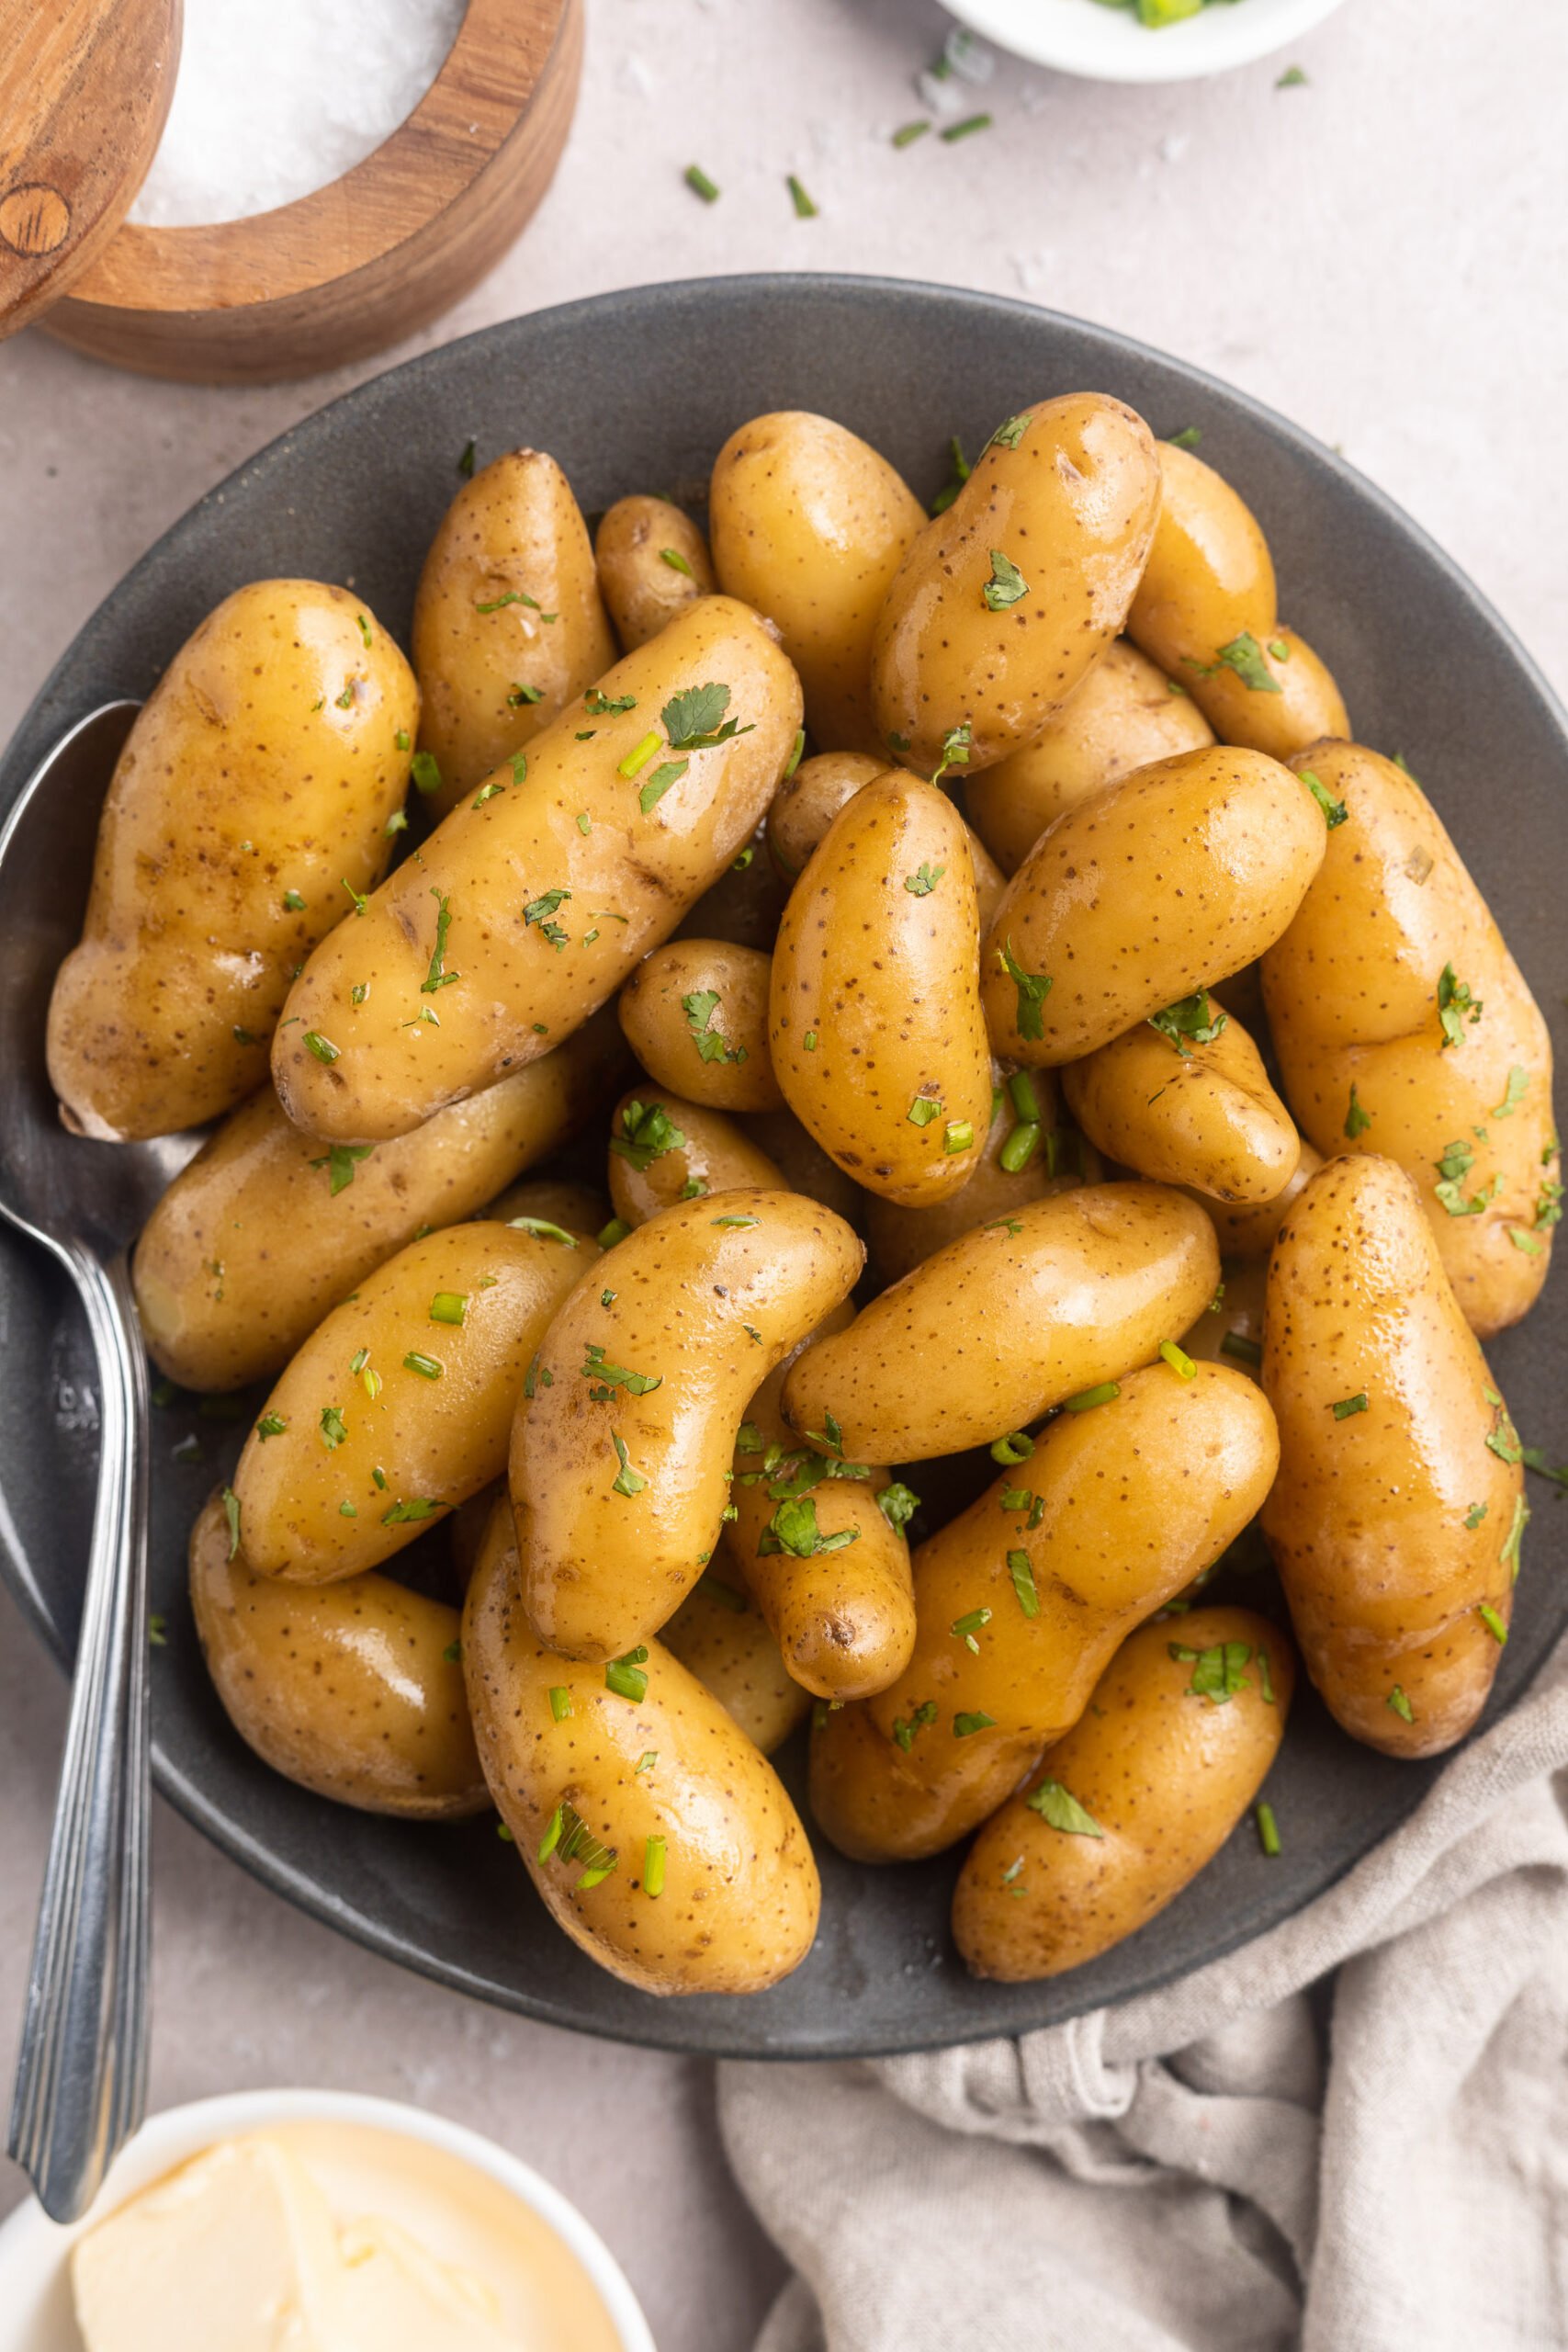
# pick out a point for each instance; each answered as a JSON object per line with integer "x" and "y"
{"x": 637, "y": 391}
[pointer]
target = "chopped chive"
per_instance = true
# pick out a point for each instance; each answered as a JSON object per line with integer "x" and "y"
{"x": 804, "y": 208}
{"x": 965, "y": 1727}
{"x": 1347, "y": 1406}
{"x": 1268, "y": 1829}
{"x": 957, "y": 1136}
{"x": 964, "y": 130}
{"x": 653, "y": 1867}
{"x": 1019, "y": 1147}
{"x": 699, "y": 183}
{"x": 1400, "y": 1704}
{"x": 427, "y": 1367}
{"x": 907, "y": 132}
{"x": 1022, "y": 1576}
{"x": 1105, "y": 1393}
{"x": 1245, "y": 1350}
{"x": 624, "y": 1677}
{"x": 638, "y": 757}
{"x": 1177, "y": 1361}
{"x": 561, "y": 1703}
{"x": 1492, "y": 1622}
{"x": 1017, "y": 1446}
{"x": 676, "y": 561}
{"x": 449, "y": 1307}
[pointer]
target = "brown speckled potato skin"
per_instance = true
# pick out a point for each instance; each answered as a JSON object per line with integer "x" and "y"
{"x": 347, "y": 1689}
{"x": 1352, "y": 995}
{"x": 1000, "y": 1326}
{"x": 1073, "y": 507}
{"x": 641, "y": 591}
{"x": 715, "y": 1152}
{"x": 603, "y": 1570}
{"x": 740, "y": 1898}
{"x": 1308, "y": 707}
{"x": 1164, "y": 883}
{"x": 1206, "y": 1118}
{"x": 720, "y": 1635}
{"x": 250, "y": 1245}
{"x": 1140, "y": 1495}
{"x": 514, "y": 529}
{"x": 518, "y": 995}
{"x": 1126, "y": 715}
{"x": 652, "y": 1012}
{"x": 1246, "y": 1228}
{"x": 439, "y": 1439}
{"x": 806, "y": 1167}
{"x": 1239, "y": 1315}
{"x": 1368, "y": 1520}
{"x": 743, "y": 906}
{"x": 1209, "y": 578}
{"x": 808, "y": 525}
{"x": 1165, "y": 1775}
{"x": 844, "y": 1620}
{"x": 244, "y": 783}
{"x": 886, "y": 982}
{"x": 901, "y": 1238}
{"x": 805, "y": 805}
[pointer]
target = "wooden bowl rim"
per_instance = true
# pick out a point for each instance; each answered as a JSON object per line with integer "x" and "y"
{"x": 420, "y": 169}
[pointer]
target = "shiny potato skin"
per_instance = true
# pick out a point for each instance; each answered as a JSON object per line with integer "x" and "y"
{"x": 511, "y": 539}
{"x": 740, "y": 1896}
{"x": 806, "y": 803}
{"x": 247, "y": 792}
{"x": 809, "y": 524}
{"x": 720, "y": 1635}
{"x": 701, "y": 1302}
{"x": 1124, "y": 715}
{"x": 1306, "y": 706}
{"x": 1010, "y": 1319}
{"x": 1352, "y": 990}
{"x": 640, "y": 587}
{"x": 1202, "y": 1115}
{"x": 1162, "y": 884}
{"x": 901, "y": 1238}
{"x": 486, "y": 866}
{"x": 1069, "y": 497}
{"x": 353, "y": 1690}
{"x": 1165, "y": 1773}
{"x": 715, "y": 1055}
{"x": 1139, "y": 1495}
{"x": 1370, "y": 1521}
{"x": 877, "y": 965}
{"x": 435, "y": 1440}
{"x": 263, "y": 1232}
{"x": 1246, "y": 1229}
{"x": 844, "y": 1619}
{"x": 711, "y": 1153}
{"x": 1210, "y": 577}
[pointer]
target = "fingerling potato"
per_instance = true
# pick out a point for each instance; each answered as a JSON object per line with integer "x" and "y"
{"x": 1022, "y": 1598}
{"x": 267, "y": 1228}
{"x": 658, "y": 1837}
{"x": 1140, "y": 1796}
{"x": 622, "y": 1448}
{"x": 1275, "y": 694}
{"x": 246, "y": 813}
{"x": 1405, "y": 1027}
{"x": 1397, "y": 1516}
{"x": 743, "y": 906}
{"x": 1011, "y": 1319}
{"x": 399, "y": 1405}
{"x": 1003, "y": 603}
{"x": 1162, "y": 884}
{"x": 509, "y": 628}
{"x": 530, "y": 904}
{"x": 1042, "y": 1156}
{"x": 804, "y": 1167}
{"x": 720, "y": 1635}
{"x": 653, "y": 563}
{"x": 353, "y": 1690}
{"x": 695, "y": 1014}
{"x": 1209, "y": 579}
{"x": 806, "y": 803}
{"x": 875, "y": 1022}
{"x": 1188, "y": 1103}
{"x": 1124, "y": 715}
{"x": 808, "y": 525}
{"x": 664, "y": 1150}
{"x": 1246, "y": 1228}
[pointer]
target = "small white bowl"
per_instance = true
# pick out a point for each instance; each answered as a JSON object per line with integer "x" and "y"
{"x": 35, "y": 2288}
{"x": 1111, "y": 45}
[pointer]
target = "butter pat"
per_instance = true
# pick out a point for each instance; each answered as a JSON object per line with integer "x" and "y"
{"x": 239, "y": 2251}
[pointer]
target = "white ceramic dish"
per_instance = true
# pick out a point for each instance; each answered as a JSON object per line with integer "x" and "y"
{"x": 1111, "y": 45}
{"x": 34, "y": 2290}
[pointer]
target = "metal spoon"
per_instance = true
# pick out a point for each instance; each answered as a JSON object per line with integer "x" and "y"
{"x": 80, "y": 2076}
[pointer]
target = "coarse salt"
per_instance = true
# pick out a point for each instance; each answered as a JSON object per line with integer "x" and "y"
{"x": 278, "y": 97}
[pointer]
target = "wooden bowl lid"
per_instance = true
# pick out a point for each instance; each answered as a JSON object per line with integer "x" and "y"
{"x": 85, "y": 91}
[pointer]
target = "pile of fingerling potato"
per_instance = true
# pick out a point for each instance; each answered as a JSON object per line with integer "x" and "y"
{"x": 1020, "y": 1018}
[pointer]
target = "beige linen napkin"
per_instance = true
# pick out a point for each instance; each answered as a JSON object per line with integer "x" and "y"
{"x": 1235, "y": 2162}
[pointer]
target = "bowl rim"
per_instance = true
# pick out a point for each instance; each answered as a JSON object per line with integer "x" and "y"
{"x": 657, "y": 2026}
{"x": 33, "y": 2248}
{"x": 1110, "y": 48}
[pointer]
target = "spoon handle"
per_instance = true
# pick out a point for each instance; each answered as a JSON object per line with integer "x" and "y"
{"x": 82, "y": 2075}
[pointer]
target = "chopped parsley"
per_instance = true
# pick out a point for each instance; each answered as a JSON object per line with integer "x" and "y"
{"x": 611, "y": 1376}
{"x": 1189, "y": 1020}
{"x": 794, "y": 1529}
{"x": 334, "y": 1431}
{"x": 1357, "y": 1121}
{"x": 1334, "y": 811}
{"x": 1455, "y": 1003}
{"x": 712, "y": 1045}
{"x": 338, "y": 1160}
{"x": 628, "y": 1481}
{"x": 647, "y": 1131}
{"x": 695, "y": 720}
{"x": 897, "y": 1504}
{"x": 965, "y": 1727}
{"x": 538, "y": 912}
{"x": 1217, "y": 1673}
{"x": 1059, "y": 1809}
{"x": 924, "y": 879}
{"x": 1007, "y": 585}
{"x": 1349, "y": 1406}
{"x": 438, "y": 976}
{"x": 919, "y": 1719}
{"x": 1033, "y": 988}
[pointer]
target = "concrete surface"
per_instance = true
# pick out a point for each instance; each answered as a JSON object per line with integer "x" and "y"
{"x": 1377, "y": 253}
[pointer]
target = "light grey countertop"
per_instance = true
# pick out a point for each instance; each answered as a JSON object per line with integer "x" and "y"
{"x": 1379, "y": 254}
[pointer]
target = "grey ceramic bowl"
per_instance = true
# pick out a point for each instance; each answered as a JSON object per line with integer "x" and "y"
{"x": 637, "y": 391}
